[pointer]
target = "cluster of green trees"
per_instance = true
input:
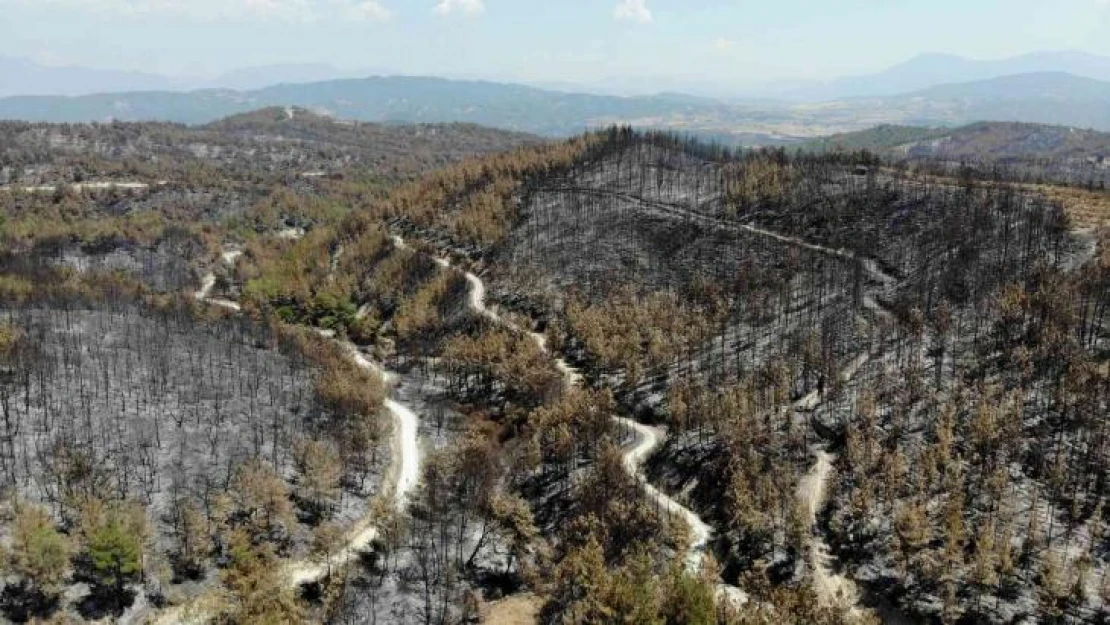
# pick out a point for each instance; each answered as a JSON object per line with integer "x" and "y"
{"x": 105, "y": 547}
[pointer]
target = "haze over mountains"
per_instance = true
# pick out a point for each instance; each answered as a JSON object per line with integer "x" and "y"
{"x": 930, "y": 70}
{"x": 1064, "y": 88}
{"x": 19, "y": 76}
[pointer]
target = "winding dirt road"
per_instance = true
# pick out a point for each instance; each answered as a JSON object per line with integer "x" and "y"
{"x": 870, "y": 266}
{"x": 646, "y": 440}
{"x": 404, "y": 475}
{"x": 832, "y": 589}
{"x": 80, "y": 186}
{"x": 208, "y": 282}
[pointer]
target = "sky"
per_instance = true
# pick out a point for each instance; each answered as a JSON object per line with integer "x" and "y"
{"x": 734, "y": 42}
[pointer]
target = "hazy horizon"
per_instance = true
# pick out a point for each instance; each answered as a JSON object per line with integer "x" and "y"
{"x": 715, "y": 42}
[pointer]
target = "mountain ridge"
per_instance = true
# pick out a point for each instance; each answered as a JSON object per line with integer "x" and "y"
{"x": 932, "y": 69}
{"x": 22, "y": 76}
{"x": 1046, "y": 97}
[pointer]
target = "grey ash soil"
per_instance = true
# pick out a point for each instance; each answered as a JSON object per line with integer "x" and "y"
{"x": 173, "y": 406}
{"x": 140, "y": 384}
{"x": 158, "y": 406}
{"x": 386, "y": 585}
{"x": 851, "y": 256}
{"x": 169, "y": 265}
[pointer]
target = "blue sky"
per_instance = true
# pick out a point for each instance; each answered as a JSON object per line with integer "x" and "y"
{"x": 587, "y": 41}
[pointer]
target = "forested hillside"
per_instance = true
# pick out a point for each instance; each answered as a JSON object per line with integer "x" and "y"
{"x": 1028, "y": 152}
{"x": 162, "y": 455}
{"x": 276, "y": 143}
{"x": 769, "y": 308}
{"x": 627, "y": 377}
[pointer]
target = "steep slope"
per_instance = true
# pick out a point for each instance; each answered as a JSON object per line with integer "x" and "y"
{"x": 768, "y": 310}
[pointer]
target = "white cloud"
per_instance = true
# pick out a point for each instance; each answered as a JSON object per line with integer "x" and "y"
{"x": 368, "y": 11}
{"x": 294, "y": 11}
{"x": 724, "y": 44}
{"x": 467, "y": 7}
{"x": 633, "y": 11}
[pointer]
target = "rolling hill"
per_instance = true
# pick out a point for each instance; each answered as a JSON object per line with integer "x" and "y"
{"x": 382, "y": 99}
{"x": 273, "y": 144}
{"x": 1053, "y": 98}
{"x": 1036, "y": 152}
{"x": 686, "y": 380}
{"x": 998, "y": 140}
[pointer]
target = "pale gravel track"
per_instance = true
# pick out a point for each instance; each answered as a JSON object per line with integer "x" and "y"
{"x": 80, "y": 186}
{"x": 831, "y": 588}
{"x": 403, "y": 479}
{"x": 646, "y": 439}
{"x": 404, "y": 476}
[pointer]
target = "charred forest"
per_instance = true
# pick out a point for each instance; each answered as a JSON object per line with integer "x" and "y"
{"x": 627, "y": 377}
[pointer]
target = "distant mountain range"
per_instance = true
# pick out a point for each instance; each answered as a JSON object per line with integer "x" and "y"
{"x": 1043, "y": 97}
{"x": 930, "y": 70}
{"x": 1046, "y": 98}
{"x": 20, "y": 76}
{"x": 25, "y": 77}
{"x": 380, "y": 99}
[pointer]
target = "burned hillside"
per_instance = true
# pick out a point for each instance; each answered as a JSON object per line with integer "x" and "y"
{"x": 766, "y": 305}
